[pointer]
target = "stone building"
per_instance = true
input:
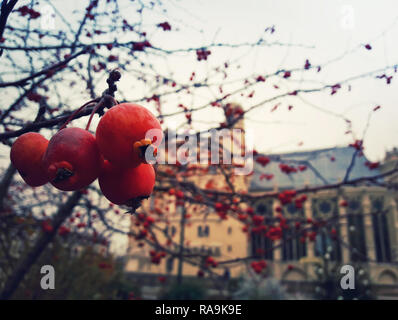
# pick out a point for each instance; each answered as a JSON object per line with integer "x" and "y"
{"x": 366, "y": 225}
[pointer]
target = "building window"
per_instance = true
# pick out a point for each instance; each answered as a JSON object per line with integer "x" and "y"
{"x": 354, "y": 205}
{"x": 217, "y": 251}
{"x": 356, "y": 231}
{"x": 229, "y": 248}
{"x": 170, "y": 231}
{"x": 169, "y": 265}
{"x": 325, "y": 207}
{"x": 261, "y": 246}
{"x": 324, "y": 244}
{"x": 203, "y": 231}
{"x": 263, "y": 207}
{"x": 291, "y": 208}
{"x": 380, "y": 231}
{"x": 292, "y": 211}
{"x": 229, "y": 230}
{"x": 293, "y": 248}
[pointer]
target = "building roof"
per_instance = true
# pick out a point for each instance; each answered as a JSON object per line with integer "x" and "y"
{"x": 325, "y": 166}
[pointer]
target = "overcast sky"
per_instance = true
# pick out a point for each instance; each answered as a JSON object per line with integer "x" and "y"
{"x": 325, "y": 30}
{"x": 335, "y": 28}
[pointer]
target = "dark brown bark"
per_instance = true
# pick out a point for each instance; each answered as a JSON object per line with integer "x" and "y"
{"x": 6, "y": 8}
{"x": 5, "y": 184}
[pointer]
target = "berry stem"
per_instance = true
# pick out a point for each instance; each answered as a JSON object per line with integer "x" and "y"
{"x": 96, "y": 107}
{"x": 75, "y": 113}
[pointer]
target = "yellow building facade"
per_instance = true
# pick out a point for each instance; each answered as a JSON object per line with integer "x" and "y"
{"x": 366, "y": 225}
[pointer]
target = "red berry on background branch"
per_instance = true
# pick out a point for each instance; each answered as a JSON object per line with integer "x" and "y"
{"x": 165, "y": 26}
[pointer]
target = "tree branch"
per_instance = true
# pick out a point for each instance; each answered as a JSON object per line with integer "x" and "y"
{"x": 54, "y": 68}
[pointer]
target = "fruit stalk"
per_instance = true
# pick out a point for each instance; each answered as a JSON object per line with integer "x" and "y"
{"x": 74, "y": 113}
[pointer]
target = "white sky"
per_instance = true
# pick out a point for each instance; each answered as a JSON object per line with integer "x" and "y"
{"x": 328, "y": 26}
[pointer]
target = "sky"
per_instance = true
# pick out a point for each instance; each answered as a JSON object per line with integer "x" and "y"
{"x": 331, "y": 32}
{"x": 332, "y": 29}
{"x": 328, "y": 31}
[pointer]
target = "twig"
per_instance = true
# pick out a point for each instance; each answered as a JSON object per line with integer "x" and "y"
{"x": 6, "y": 8}
{"x": 46, "y": 71}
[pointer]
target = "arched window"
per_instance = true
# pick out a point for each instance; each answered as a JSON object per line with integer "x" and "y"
{"x": 207, "y": 231}
{"x": 173, "y": 230}
{"x": 261, "y": 246}
{"x": 327, "y": 208}
{"x": 380, "y": 231}
{"x": 292, "y": 247}
{"x": 203, "y": 231}
{"x": 169, "y": 265}
{"x": 356, "y": 231}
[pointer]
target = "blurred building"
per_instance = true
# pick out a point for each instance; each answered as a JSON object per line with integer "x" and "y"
{"x": 363, "y": 218}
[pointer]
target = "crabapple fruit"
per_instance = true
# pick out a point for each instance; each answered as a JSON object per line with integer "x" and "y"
{"x": 26, "y": 155}
{"x": 127, "y": 186}
{"x": 72, "y": 159}
{"x": 122, "y": 134}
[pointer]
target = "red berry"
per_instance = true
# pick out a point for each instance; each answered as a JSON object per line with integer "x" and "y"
{"x": 121, "y": 134}
{"x": 72, "y": 159}
{"x": 63, "y": 231}
{"x": 26, "y": 155}
{"x": 46, "y": 226}
{"x": 127, "y": 186}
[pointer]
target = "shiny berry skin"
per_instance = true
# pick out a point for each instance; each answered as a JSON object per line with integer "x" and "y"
{"x": 72, "y": 159}
{"x": 121, "y": 134}
{"x": 26, "y": 155}
{"x": 127, "y": 186}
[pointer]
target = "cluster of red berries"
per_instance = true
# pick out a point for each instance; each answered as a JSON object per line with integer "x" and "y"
{"x": 285, "y": 168}
{"x": 25, "y": 10}
{"x": 259, "y": 266}
{"x": 210, "y": 262}
{"x": 263, "y": 160}
{"x": 156, "y": 257}
{"x": 202, "y": 54}
{"x": 74, "y": 158}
